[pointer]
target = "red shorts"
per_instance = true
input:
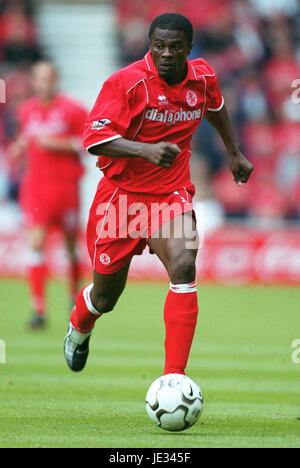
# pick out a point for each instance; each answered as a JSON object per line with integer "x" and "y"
{"x": 50, "y": 204}
{"x": 121, "y": 222}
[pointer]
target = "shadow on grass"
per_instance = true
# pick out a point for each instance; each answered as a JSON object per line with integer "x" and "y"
{"x": 181, "y": 434}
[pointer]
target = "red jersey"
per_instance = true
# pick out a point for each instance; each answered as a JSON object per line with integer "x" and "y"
{"x": 137, "y": 104}
{"x": 62, "y": 118}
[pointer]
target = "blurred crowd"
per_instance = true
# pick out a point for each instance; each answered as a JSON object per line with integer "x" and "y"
{"x": 254, "y": 46}
{"x": 19, "y": 48}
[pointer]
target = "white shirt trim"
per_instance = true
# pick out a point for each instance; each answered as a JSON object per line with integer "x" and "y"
{"x": 143, "y": 116}
{"x": 103, "y": 222}
{"x": 219, "y": 108}
{"x": 104, "y": 141}
{"x": 194, "y": 72}
{"x": 146, "y": 58}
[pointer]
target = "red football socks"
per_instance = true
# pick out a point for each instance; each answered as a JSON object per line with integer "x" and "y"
{"x": 74, "y": 273}
{"x": 84, "y": 315}
{"x": 37, "y": 282}
{"x": 180, "y": 314}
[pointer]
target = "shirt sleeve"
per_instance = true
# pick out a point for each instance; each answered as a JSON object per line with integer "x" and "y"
{"x": 78, "y": 119}
{"x": 110, "y": 116}
{"x": 215, "y": 100}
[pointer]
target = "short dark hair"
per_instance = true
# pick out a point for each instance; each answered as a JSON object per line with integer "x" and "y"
{"x": 173, "y": 21}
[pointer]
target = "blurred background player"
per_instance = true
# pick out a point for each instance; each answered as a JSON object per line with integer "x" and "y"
{"x": 50, "y": 130}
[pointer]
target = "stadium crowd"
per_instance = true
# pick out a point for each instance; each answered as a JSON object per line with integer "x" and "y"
{"x": 19, "y": 48}
{"x": 254, "y": 46}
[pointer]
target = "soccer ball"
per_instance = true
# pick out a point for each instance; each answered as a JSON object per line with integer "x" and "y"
{"x": 174, "y": 402}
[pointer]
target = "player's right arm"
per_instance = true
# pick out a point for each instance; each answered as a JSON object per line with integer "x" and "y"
{"x": 107, "y": 127}
{"x": 17, "y": 148}
{"x": 161, "y": 154}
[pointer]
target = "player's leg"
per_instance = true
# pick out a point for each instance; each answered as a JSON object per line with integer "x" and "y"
{"x": 74, "y": 264}
{"x": 37, "y": 274}
{"x": 178, "y": 254}
{"x": 68, "y": 216}
{"x": 110, "y": 256}
{"x": 92, "y": 302}
{"x": 98, "y": 298}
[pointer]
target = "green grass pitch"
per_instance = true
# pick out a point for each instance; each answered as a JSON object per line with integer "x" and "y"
{"x": 241, "y": 358}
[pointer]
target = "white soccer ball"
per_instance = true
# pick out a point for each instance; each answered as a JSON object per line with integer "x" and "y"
{"x": 174, "y": 402}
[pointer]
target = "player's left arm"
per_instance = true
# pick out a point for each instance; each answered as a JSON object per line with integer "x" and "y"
{"x": 57, "y": 144}
{"x": 239, "y": 165}
{"x": 71, "y": 143}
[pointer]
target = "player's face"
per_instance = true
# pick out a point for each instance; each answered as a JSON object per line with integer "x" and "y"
{"x": 44, "y": 80}
{"x": 169, "y": 51}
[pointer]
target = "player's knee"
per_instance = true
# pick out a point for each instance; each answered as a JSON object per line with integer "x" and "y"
{"x": 37, "y": 239}
{"x": 103, "y": 304}
{"x": 182, "y": 268}
{"x": 37, "y": 245}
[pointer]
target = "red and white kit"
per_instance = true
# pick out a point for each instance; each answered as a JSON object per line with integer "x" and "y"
{"x": 49, "y": 190}
{"x": 137, "y": 104}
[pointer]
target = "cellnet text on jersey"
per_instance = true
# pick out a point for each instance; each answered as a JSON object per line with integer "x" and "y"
{"x": 170, "y": 117}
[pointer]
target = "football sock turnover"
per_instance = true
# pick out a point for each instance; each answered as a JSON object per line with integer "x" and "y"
{"x": 84, "y": 314}
{"x": 180, "y": 315}
{"x": 36, "y": 270}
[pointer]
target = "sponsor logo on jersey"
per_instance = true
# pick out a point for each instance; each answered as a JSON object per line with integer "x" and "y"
{"x": 105, "y": 259}
{"x": 98, "y": 124}
{"x": 170, "y": 117}
{"x": 191, "y": 98}
{"x": 54, "y": 125}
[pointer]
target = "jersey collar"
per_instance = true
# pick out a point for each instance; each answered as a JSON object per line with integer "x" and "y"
{"x": 151, "y": 68}
{"x": 50, "y": 104}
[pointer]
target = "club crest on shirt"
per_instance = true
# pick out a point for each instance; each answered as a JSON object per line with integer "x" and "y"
{"x": 105, "y": 259}
{"x": 97, "y": 124}
{"x": 191, "y": 98}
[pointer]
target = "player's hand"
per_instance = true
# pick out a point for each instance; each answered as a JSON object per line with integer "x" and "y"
{"x": 162, "y": 154}
{"x": 17, "y": 148}
{"x": 241, "y": 169}
{"x": 45, "y": 142}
